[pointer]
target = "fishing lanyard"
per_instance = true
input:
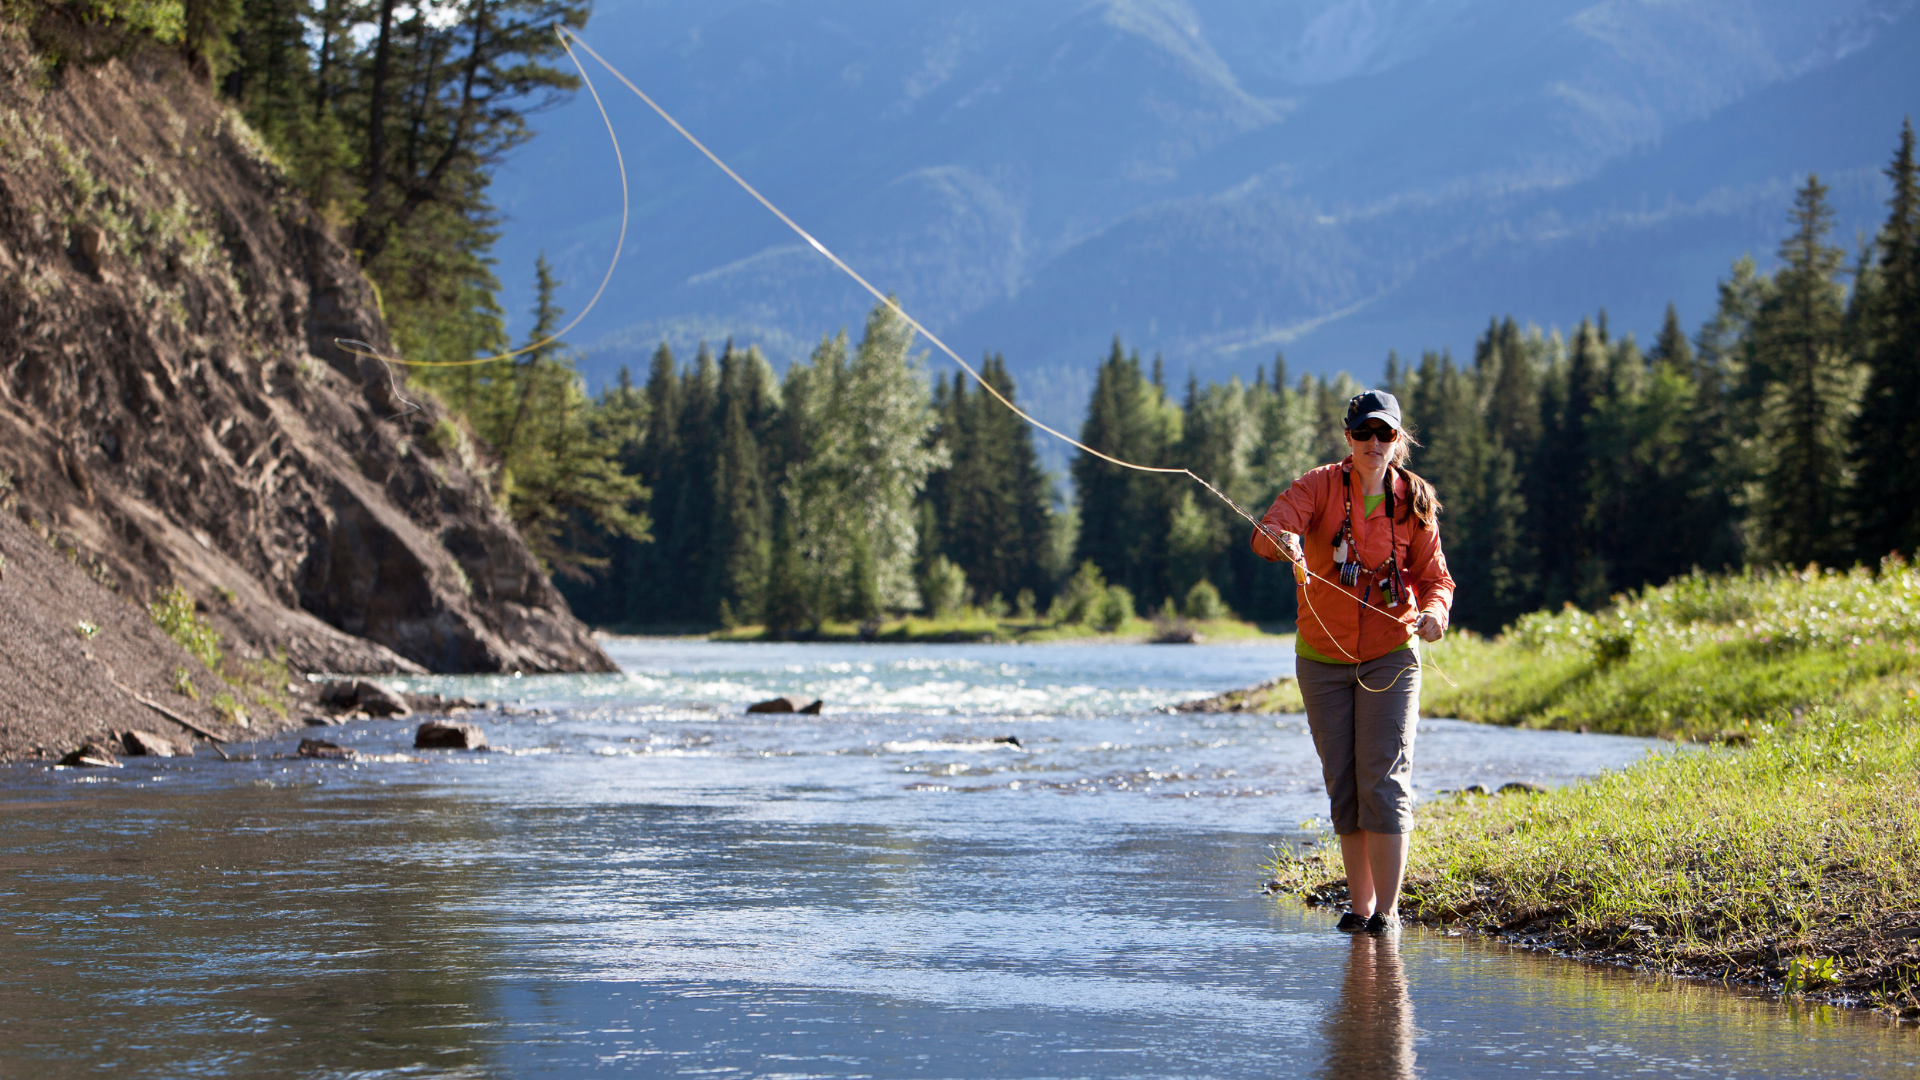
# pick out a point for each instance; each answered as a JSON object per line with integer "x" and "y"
{"x": 1393, "y": 590}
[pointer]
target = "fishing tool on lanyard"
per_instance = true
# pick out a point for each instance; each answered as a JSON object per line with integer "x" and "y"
{"x": 1386, "y": 577}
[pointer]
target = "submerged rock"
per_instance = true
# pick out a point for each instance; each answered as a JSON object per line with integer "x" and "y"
{"x": 90, "y": 755}
{"x": 779, "y": 704}
{"x": 147, "y": 744}
{"x": 321, "y": 748}
{"x": 439, "y": 735}
{"x": 814, "y": 708}
{"x": 359, "y": 695}
{"x": 439, "y": 703}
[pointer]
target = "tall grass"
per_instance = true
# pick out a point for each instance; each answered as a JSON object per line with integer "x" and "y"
{"x": 1704, "y": 657}
{"x": 1788, "y": 853}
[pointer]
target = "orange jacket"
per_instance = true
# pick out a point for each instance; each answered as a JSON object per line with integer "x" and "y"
{"x": 1331, "y": 617}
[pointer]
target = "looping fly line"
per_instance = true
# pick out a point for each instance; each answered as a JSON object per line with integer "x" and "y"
{"x": 362, "y": 349}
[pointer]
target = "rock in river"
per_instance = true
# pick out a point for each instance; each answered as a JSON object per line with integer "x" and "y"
{"x": 367, "y": 697}
{"x": 787, "y": 704}
{"x": 321, "y": 748}
{"x": 90, "y": 756}
{"x": 438, "y": 735}
{"x": 147, "y": 744}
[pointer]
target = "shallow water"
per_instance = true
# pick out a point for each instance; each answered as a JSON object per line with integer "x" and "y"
{"x": 648, "y": 881}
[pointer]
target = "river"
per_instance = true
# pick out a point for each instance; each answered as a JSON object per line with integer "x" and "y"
{"x": 644, "y": 880}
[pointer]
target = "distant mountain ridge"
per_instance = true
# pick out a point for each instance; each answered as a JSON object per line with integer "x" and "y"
{"x": 1211, "y": 180}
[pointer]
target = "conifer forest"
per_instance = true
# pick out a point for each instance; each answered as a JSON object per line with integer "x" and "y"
{"x": 719, "y": 490}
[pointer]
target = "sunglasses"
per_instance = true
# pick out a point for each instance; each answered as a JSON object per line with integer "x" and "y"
{"x": 1369, "y": 432}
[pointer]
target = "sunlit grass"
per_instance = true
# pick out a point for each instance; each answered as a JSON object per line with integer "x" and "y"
{"x": 1722, "y": 855}
{"x": 1703, "y": 658}
{"x": 1787, "y": 850}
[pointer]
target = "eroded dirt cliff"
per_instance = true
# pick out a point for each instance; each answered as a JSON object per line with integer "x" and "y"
{"x": 173, "y": 408}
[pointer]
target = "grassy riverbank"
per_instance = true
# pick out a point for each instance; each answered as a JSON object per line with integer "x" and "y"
{"x": 1785, "y": 853}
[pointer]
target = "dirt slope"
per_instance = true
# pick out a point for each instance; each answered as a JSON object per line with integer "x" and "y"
{"x": 58, "y": 687}
{"x": 173, "y": 408}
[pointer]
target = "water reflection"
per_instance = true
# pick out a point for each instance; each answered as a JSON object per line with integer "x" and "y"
{"x": 677, "y": 888}
{"x": 1370, "y": 1033}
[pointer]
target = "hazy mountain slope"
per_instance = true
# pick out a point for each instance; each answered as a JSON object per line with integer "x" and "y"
{"x": 1212, "y": 179}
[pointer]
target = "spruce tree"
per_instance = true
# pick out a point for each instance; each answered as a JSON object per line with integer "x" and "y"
{"x": 1443, "y": 405}
{"x": 1570, "y": 568}
{"x": 1888, "y": 447}
{"x": 740, "y": 489}
{"x": 1123, "y": 513}
{"x": 1808, "y": 393}
{"x": 991, "y": 502}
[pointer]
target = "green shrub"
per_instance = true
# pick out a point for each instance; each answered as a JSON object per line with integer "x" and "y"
{"x": 945, "y": 589}
{"x": 174, "y": 612}
{"x": 228, "y": 709}
{"x": 1079, "y": 601}
{"x": 1116, "y": 609}
{"x": 1203, "y": 602}
{"x": 1023, "y": 606}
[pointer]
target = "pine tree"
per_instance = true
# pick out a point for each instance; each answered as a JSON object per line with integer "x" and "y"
{"x": 989, "y": 507}
{"x": 1888, "y": 447}
{"x": 1808, "y": 394}
{"x": 1570, "y": 567}
{"x": 1123, "y": 513}
{"x": 1443, "y": 402}
{"x": 866, "y": 459}
{"x": 741, "y": 492}
{"x": 694, "y": 560}
{"x": 559, "y": 477}
{"x": 1507, "y": 366}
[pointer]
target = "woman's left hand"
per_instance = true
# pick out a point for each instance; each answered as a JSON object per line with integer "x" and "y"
{"x": 1428, "y": 627}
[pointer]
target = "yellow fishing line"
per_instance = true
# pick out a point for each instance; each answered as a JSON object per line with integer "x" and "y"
{"x": 813, "y": 242}
{"x": 361, "y": 348}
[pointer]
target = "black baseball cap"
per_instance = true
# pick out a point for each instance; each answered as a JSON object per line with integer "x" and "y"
{"x": 1373, "y": 405}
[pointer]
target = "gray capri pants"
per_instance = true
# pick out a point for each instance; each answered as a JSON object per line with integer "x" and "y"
{"x": 1365, "y": 737}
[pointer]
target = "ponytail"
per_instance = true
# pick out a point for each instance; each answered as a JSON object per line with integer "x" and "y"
{"x": 1423, "y": 501}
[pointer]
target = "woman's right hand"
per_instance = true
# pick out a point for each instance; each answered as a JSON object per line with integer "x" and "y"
{"x": 1288, "y": 548}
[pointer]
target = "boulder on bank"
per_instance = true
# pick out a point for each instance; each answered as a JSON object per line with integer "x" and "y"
{"x": 90, "y": 755}
{"x": 147, "y": 744}
{"x": 439, "y": 735}
{"x": 359, "y": 695}
{"x": 1520, "y": 787}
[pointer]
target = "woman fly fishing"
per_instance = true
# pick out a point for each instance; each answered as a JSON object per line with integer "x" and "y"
{"x": 1361, "y": 577}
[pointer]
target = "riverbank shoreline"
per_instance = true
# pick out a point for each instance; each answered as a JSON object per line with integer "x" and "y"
{"x": 984, "y": 630}
{"x": 1868, "y": 961}
{"x": 1782, "y": 854}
